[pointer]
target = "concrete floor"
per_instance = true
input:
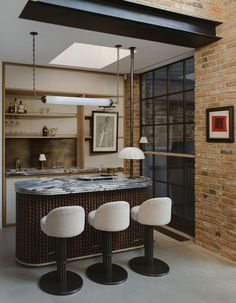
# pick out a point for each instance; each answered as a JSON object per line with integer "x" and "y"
{"x": 196, "y": 276}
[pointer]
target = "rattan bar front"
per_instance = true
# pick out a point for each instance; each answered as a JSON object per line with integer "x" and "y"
{"x": 33, "y": 248}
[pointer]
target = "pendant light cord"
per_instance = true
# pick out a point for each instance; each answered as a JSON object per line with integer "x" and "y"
{"x": 118, "y": 74}
{"x": 34, "y": 69}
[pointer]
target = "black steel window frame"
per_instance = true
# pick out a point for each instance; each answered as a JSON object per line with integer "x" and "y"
{"x": 185, "y": 186}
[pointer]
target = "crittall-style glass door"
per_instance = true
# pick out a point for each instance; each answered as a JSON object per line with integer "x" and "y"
{"x": 167, "y": 120}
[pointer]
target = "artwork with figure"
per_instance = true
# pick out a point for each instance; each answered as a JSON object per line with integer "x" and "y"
{"x": 105, "y": 129}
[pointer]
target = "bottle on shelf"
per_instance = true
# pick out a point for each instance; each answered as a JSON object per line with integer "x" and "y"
{"x": 11, "y": 108}
{"x": 45, "y": 131}
{"x": 15, "y": 105}
{"x": 21, "y": 108}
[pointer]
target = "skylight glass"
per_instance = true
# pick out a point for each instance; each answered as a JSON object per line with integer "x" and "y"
{"x": 89, "y": 56}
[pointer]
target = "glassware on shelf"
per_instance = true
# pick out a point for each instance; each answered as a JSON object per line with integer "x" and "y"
{"x": 52, "y": 131}
{"x": 42, "y": 111}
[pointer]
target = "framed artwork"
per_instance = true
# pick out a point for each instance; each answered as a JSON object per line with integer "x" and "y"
{"x": 104, "y": 132}
{"x": 220, "y": 124}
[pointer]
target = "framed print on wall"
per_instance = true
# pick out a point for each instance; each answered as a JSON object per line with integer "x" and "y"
{"x": 104, "y": 132}
{"x": 220, "y": 124}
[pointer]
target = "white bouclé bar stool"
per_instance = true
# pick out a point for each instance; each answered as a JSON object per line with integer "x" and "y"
{"x": 153, "y": 212}
{"x": 109, "y": 218}
{"x": 62, "y": 223}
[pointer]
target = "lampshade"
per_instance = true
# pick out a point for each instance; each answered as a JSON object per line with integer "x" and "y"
{"x": 61, "y": 100}
{"x": 42, "y": 157}
{"x": 143, "y": 140}
{"x": 133, "y": 153}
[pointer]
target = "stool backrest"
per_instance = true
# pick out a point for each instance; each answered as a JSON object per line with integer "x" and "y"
{"x": 112, "y": 216}
{"x": 156, "y": 211}
{"x": 65, "y": 222}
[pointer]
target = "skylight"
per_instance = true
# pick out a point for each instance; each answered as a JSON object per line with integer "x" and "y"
{"x": 89, "y": 56}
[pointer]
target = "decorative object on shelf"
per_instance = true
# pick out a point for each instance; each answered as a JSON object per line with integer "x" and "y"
{"x": 104, "y": 132}
{"x": 45, "y": 131}
{"x": 18, "y": 164}
{"x": 220, "y": 124}
{"x": 44, "y": 111}
{"x": 20, "y": 108}
{"x": 42, "y": 158}
{"x": 52, "y": 131}
{"x": 131, "y": 153}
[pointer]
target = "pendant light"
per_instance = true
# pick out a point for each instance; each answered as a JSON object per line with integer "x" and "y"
{"x": 62, "y": 100}
{"x": 131, "y": 153}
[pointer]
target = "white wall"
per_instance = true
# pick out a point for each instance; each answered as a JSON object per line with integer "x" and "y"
{"x": 1, "y": 144}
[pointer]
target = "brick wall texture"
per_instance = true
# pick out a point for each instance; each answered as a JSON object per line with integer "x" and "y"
{"x": 209, "y": 9}
{"x": 215, "y": 67}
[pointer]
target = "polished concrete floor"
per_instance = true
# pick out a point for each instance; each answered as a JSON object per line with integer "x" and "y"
{"x": 196, "y": 276}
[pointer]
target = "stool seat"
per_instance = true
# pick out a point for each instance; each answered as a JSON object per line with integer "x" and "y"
{"x": 91, "y": 217}
{"x": 153, "y": 212}
{"x": 111, "y": 217}
{"x": 134, "y": 213}
{"x": 62, "y": 223}
{"x": 108, "y": 218}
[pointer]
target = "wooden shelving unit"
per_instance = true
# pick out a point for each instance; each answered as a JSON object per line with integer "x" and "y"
{"x": 42, "y": 137}
{"x": 40, "y": 116}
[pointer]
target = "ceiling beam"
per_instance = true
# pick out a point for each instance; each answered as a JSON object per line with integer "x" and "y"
{"x": 125, "y": 19}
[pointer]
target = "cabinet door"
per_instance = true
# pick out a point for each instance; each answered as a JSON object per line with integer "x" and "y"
{"x": 11, "y": 199}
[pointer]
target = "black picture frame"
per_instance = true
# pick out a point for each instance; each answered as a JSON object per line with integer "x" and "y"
{"x": 110, "y": 136}
{"x": 226, "y": 136}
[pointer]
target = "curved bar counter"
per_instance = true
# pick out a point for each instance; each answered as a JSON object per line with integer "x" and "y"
{"x": 36, "y": 198}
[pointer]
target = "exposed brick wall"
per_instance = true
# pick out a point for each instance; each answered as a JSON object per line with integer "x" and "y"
{"x": 215, "y": 174}
{"x": 215, "y": 67}
{"x": 210, "y": 9}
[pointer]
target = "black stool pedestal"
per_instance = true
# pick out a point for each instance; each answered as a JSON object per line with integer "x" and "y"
{"x": 106, "y": 272}
{"x": 148, "y": 265}
{"x": 61, "y": 282}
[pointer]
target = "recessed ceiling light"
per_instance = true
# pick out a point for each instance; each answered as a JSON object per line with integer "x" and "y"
{"x": 89, "y": 56}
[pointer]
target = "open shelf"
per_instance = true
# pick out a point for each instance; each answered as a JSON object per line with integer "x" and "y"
{"x": 40, "y": 93}
{"x": 40, "y": 116}
{"x": 41, "y": 137}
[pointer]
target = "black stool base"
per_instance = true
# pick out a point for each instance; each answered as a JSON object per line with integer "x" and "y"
{"x": 157, "y": 269}
{"x": 50, "y": 283}
{"x": 97, "y": 273}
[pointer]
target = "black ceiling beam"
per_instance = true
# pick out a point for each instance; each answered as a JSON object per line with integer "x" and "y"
{"x": 125, "y": 19}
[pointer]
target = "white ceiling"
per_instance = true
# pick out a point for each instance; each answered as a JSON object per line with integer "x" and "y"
{"x": 16, "y": 43}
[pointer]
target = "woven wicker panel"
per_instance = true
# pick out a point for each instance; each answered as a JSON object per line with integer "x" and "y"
{"x": 34, "y": 247}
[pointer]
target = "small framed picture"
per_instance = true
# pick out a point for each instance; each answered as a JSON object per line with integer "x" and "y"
{"x": 220, "y": 124}
{"x": 104, "y": 132}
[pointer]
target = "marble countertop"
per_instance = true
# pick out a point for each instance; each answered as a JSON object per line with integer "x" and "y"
{"x": 79, "y": 184}
{"x": 53, "y": 171}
